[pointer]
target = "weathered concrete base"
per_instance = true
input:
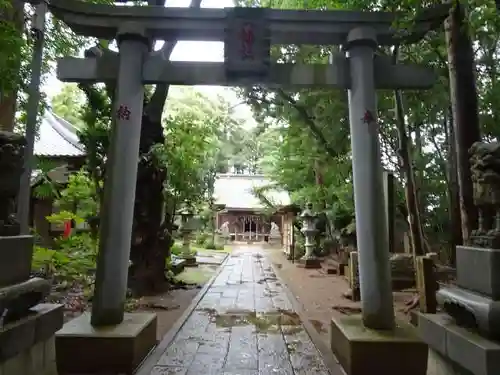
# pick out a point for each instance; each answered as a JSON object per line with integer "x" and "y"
{"x": 440, "y": 365}
{"x": 466, "y": 350}
{"x": 40, "y": 359}
{"x": 363, "y": 351}
{"x": 83, "y": 349}
{"x": 309, "y": 263}
{"x": 27, "y": 345}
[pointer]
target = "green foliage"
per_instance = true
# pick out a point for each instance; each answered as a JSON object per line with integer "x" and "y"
{"x": 12, "y": 45}
{"x": 63, "y": 216}
{"x": 202, "y": 238}
{"x": 69, "y": 105}
{"x": 305, "y": 135}
{"x": 80, "y": 195}
{"x": 72, "y": 260}
{"x": 209, "y": 245}
{"x": 45, "y": 187}
{"x": 176, "y": 249}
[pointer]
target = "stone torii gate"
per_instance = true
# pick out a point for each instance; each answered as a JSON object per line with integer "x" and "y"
{"x": 248, "y": 34}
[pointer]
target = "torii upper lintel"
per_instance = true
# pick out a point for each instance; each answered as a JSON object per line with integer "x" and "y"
{"x": 285, "y": 26}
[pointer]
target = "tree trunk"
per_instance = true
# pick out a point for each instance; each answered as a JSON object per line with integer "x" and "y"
{"x": 417, "y": 240}
{"x": 14, "y": 15}
{"x": 417, "y": 237}
{"x": 150, "y": 241}
{"x": 463, "y": 95}
{"x": 152, "y": 231}
{"x": 456, "y": 237}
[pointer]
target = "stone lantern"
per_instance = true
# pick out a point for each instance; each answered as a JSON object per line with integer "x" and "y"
{"x": 187, "y": 228}
{"x": 223, "y": 234}
{"x": 308, "y": 217}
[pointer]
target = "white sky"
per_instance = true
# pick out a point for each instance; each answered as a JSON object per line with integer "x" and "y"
{"x": 189, "y": 51}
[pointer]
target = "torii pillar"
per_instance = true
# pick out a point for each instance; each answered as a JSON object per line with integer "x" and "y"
{"x": 372, "y": 342}
{"x": 83, "y": 347}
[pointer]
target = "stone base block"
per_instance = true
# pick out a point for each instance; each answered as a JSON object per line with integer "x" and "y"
{"x": 310, "y": 263}
{"x": 83, "y": 349}
{"x": 40, "y": 359}
{"x": 27, "y": 345}
{"x": 363, "y": 351}
{"x": 464, "y": 348}
{"x": 15, "y": 254}
{"x": 487, "y": 281}
{"x": 440, "y": 365}
{"x": 190, "y": 262}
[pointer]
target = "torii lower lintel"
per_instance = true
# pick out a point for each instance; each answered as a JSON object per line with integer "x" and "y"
{"x": 336, "y": 75}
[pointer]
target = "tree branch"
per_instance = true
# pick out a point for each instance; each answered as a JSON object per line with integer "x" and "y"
{"x": 154, "y": 109}
{"x": 309, "y": 121}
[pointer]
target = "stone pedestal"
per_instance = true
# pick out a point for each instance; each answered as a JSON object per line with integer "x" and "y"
{"x": 275, "y": 239}
{"x": 119, "y": 349}
{"x": 27, "y": 346}
{"x": 460, "y": 350}
{"x": 15, "y": 254}
{"x": 312, "y": 262}
{"x": 190, "y": 260}
{"x": 363, "y": 351}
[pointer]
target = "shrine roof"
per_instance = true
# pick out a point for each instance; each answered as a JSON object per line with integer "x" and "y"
{"x": 57, "y": 138}
{"x": 236, "y": 191}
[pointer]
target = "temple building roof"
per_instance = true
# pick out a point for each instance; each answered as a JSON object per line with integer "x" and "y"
{"x": 57, "y": 138}
{"x": 237, "y": 192}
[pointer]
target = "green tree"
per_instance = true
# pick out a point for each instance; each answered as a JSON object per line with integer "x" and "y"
{"x": 68, "y": 104}
{"x": 305, "y": 133}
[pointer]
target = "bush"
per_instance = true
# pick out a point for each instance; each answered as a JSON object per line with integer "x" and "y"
{"x": 74, "y": 259}
{"x": 176, "y": 249}
{"x": 202, "y": 238}
{"x": 213, "y": 246}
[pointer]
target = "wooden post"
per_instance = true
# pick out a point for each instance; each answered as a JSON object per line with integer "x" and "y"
{"x": 390, "y": 211}
{"x": 354, "y": 276}
{"x": 426, "y": 284}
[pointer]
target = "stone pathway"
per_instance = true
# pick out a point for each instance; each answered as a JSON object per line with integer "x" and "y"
{"x": 244, "y": 325}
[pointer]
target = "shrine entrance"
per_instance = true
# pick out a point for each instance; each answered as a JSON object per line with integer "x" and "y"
{"x": 248, "y": 34}
{"x": 252, "y": 229}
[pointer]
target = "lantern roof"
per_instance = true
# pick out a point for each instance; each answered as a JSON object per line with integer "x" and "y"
{"x": 308, "y": 212}
{"x": 186, "y": 210}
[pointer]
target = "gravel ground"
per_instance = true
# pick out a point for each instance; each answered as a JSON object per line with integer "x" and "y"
{"x": 320, "y": 293}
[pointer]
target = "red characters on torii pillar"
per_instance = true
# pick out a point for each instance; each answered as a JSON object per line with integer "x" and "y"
{"x": 247, "y": 41}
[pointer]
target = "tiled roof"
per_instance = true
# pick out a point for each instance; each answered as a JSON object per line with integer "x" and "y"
{"x": 236, "y": 191}
{"x": 57, "y": 137}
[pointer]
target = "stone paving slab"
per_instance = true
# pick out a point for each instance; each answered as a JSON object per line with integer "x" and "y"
{"x": 210, "y": 256}
{"x": 244, "y": 325}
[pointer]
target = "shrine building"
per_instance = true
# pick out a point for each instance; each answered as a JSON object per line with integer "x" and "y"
{"x": 250, "y": 207}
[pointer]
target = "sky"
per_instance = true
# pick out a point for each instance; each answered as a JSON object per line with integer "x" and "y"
{"x": 190, "y": 51}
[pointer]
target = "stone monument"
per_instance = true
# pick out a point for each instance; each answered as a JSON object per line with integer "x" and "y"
{"x": 466, "y": 337}
{"x": 274, "y": 234}
{"x": 27, "y": 327}
{"x": 224, "y": 232}
{"x": 248, "y": 34}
